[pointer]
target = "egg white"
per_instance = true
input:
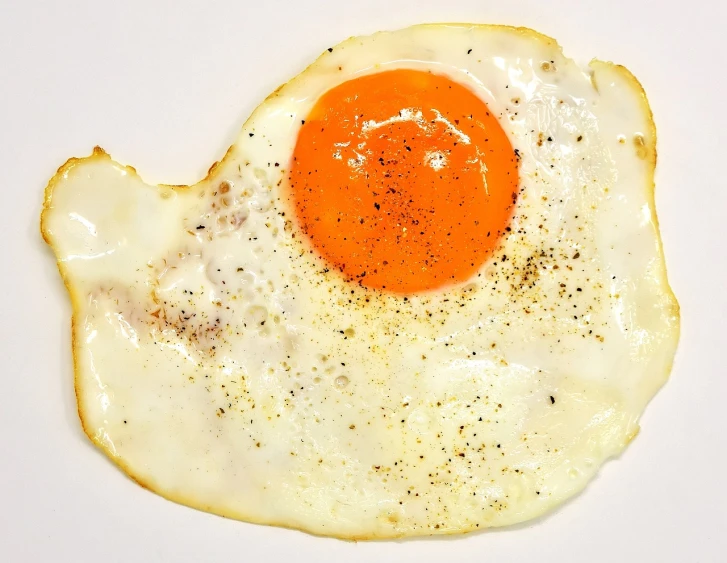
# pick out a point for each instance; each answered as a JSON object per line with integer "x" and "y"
{"x": 222, "y": 364}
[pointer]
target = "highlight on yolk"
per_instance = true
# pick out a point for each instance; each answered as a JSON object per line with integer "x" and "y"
{"x": 403, "y": 180}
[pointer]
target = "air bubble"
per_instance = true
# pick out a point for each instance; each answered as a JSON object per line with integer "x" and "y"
{"x": 247, "y": 278}
{"x": 261, "y": 204}
{"x": 238, "y": 219}
{"x": 341, "y": 381}
{"x": 262, "y": 178}
{"x": 389, "y": 517}
{"x": 211, "y": 272}
{"x": 640, "y": 143}
{"x": 256, "y": 315}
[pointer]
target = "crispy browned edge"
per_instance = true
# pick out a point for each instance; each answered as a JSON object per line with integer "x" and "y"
{"x": 99, "y": 153}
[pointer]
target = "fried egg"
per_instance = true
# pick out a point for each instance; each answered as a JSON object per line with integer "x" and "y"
{"x": 422, "y": 293}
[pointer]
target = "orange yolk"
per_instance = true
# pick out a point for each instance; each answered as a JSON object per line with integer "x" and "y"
{"x": 403, "y": 180}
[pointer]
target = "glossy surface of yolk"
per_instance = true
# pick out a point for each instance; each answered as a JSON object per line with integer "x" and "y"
{"x": 403, "y": 180}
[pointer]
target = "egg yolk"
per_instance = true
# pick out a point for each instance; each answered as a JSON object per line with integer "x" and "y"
{"x": 403, "y": 180}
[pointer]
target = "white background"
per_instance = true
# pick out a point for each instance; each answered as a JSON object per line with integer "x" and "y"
{"x": 165, "y": 86}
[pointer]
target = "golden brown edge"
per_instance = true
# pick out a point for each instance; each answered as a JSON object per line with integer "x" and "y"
{"x": 99, "y": 153}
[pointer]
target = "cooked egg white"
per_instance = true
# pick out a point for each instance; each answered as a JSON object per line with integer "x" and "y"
{"x": 223, "y": 364}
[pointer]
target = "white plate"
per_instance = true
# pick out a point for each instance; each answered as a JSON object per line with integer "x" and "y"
{"x": 165, "y": 86}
